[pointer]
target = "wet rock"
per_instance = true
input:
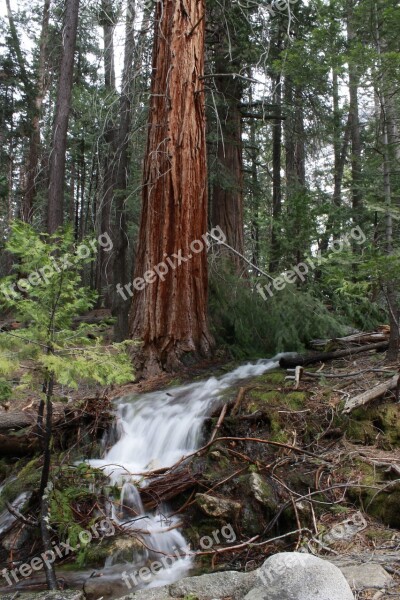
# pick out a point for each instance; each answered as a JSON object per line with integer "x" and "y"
{"x": 300, "y": 576}
{"x": 127, "y": 549}
{"x": 15, "y": 540}
{"x": 367, "y": 576}
{"x": 218, "y": 507}
{"x": 160, "y": 593}
{"x": 104, "y": 587}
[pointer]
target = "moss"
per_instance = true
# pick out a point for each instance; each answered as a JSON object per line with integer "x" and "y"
{"x": 278, "y": 433}
{"x": 336, "y": 509}
{"x": 5, "y": 469}
{"x": 370, "y": 424}
{"x": 295, "y": 400}
{"x": 377, "y": 534}
{"x": 27, "y": 480}
{"x": 272, "y": 377}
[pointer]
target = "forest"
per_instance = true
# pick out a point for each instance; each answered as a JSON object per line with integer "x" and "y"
{"x": 199, "y": 297}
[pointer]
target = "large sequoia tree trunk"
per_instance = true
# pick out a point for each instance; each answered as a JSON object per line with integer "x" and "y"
{"x": 170, "y": 315}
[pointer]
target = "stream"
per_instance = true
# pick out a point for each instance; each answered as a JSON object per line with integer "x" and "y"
{"x": 151, "y": 431}
{"x": 154, "y": 431}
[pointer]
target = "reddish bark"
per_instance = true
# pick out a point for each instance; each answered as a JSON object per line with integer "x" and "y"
{"x": 170, "y": 316}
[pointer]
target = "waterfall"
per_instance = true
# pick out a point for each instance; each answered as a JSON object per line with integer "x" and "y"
{"x": 155, "y": 431}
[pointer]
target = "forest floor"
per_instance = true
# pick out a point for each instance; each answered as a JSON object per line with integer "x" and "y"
{"x": 287, "y": 468}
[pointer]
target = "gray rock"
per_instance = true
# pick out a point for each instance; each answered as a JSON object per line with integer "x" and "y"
{"x": 258, "y": 593}
{"x": 300, "y": 576}
{"x": 262, "y": 491}
{"x": 215, "y": 585}
{"x": 160, "y": 593}
{"x": 104, "y": 586}
{"x": 218, "y": 507}
{"x": 362, "y": 577}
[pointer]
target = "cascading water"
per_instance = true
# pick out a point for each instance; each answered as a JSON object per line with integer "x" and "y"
{"x": 155, "y": 431}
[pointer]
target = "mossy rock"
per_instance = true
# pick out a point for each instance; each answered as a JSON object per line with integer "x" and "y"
{"x": 375, "y": 495}
{"x": 263, "y": 492}
{"x": 123, "y": 549}
{"x": 370, "y": 424}
{"x": 27, "y": 479}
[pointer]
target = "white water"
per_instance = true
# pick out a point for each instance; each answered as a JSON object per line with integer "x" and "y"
{"x": 156, "y": 430}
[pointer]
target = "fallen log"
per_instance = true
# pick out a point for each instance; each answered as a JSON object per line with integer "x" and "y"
{"x": 372, "y": 394}
{"x": 13, "y": 445}
{"x": 356, "y": 338}
{"x": 18, "y": 434}
{"x": 294, "y": 361}
{"x": 15, "y": 420}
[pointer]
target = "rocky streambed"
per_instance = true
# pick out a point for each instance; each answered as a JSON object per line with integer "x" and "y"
{"x": 286, "y": 470}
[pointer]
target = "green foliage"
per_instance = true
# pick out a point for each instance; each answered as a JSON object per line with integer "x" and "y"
{"x": 75, "y": 494}
{"x": 5, "y": 390}
{"x": 250, "y": 326}
{"x": 354, "y": 286}
{"x": 46, "y": 300}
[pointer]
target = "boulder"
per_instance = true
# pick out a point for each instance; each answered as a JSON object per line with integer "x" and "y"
{"x": 160, "y": 593}
{"x": 300, "y": 576}
{"x": 367, "y": 576}
{"x": 215, "y": 585}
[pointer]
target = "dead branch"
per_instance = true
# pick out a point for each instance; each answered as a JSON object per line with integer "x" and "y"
{"x": 239, "y": 399}
{"x": 294, "y": 361}
{"x": 372, "y": 394}
{"x": 219, "y": 422}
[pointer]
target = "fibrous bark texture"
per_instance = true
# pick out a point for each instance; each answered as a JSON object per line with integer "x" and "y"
{"x": 170, "y": 314}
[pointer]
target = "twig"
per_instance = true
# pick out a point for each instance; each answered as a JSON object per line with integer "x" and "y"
{"x": 238, "y": 401}
{"x": 19, "y": 516}
{"x": 219, "y": 422}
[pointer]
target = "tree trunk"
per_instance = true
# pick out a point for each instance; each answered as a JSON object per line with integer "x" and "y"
{"x": 276, "y": 179}
{"x": 255, "y": 193}
{"x": 120, "y": 308}
{"x": 44, "y": 520}
{"x": 60, "y": 126}
{"x": 356, "y": 174}
{"x": 390, "y": 151}
{"x": 104, "y": 264}
{"x": 170, "y": 314}
{"x": 227, "y": 193}
{"x": 31, "y": 171}
{"x": 295, "y": 168}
